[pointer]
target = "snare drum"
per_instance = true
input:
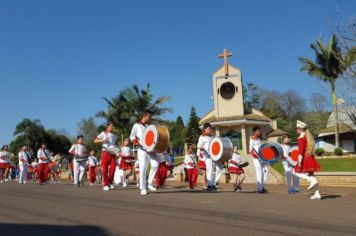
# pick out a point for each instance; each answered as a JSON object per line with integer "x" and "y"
{"x": 293, "y": 156}
{"x": 220, "y": 149}
{"x": 113, "y": 150}
{"x": 270, "y": 153}
{"x": 155, "y": 138}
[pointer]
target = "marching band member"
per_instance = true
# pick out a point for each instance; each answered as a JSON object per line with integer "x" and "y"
{"x": 205, "y": 161}
{"x": 92, "y": 163}
{"x": 143, "y": 156}
{"x": 125, "y": 162}
{"x": 107, "y": 139}
{"x": 24, "y": 158}
{"x": 4, "y": 163}
{"x": 260, "y": 167}
{"x": 288, "y": 168}
{"x": 44, "y": 158}
{"x": 238, "y": 174}
{"x": 161, "y": 175}
{"x": 80, "y": 159}
{"x": 190, "y": 164}
{"x": 307, "y": 164}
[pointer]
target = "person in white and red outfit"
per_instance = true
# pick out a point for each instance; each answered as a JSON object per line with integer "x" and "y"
{"x": 190, "y": 163}
{"x": 44, "y": 157}
{"x": 126, "y": 161}
{"x": 24, "y": 158}
{"x": 307, "y": 164}
{"x": 236, "y": 172}
{"x": 80, "y": 159}
{"x": 161, "y": 175}
{"x": 260, "y": 167}
{"x": 288, "y": 168}
{"x": 205, "y": 162}
{"x": 108, "y": 140}
{"x": 92, "y": 163}
{"x": 4, "y": 163}
{"x": 145, "y": 158}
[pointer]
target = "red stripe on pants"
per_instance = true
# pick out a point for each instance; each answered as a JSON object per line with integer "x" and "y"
{"x": 43, "y": 172}
{"x": 92, "y": 174}
{"x": 107, "y": 160}
{"x": 192, "y": 177}
{"x": 161, "y": 174}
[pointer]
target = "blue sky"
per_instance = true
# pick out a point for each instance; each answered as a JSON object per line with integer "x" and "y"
{"x": 59, "y": 58}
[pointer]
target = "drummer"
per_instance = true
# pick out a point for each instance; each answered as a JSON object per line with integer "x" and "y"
{"x": 107, "y": 139}
{"x": 143, "y": 156}
{"x": 80, "y": 159}
{"x": 125, "y": 163}
{"x": 288, "y": 168}
{"x": 205, "y": 161}
{"x": 261, "y": 168}
{"x": 236, "y": 172}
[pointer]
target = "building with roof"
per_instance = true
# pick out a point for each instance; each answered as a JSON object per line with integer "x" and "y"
{"x": 230, "y": 117}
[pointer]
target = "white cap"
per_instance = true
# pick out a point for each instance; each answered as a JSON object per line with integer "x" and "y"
{"x": 301, "y": 124}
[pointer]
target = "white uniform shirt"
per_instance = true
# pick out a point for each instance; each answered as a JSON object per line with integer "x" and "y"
{"x": 137, "y": 133}
{"x": 43, "y": 154}
{"x": 286, "y": 148}
{"x": 189, "y": 161}
{"x": 162, "y": 157}
{"x": 110, "y": 137}
{"x": 4, "y": 157}
{"x": 23, "y": 158}
{"x": 126, "y": 151}
{"x": 203, "y": 147}
{"x": 235, "y": 159}
{"x": 255, "y": 145}
{"x": 92, "y": 161}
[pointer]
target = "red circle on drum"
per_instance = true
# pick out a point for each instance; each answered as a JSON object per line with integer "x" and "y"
{"x": 294, "y": 155}
{"x": 150, "y": 137}
{"x": 216, "y": 148}
{"x": 269, "y": 153}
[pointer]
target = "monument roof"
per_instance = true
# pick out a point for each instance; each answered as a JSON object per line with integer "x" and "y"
{"x": 250, "y": 117}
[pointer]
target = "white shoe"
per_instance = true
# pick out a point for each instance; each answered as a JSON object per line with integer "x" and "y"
{"x": 137, "y": 184}
{"x": 91, "y": 184}
{"x": 144, "y": 192}
{"x": 313, "y": 183}
{"x": 106, "y": 188}
{"x": 124, "y": 185}
{"x": 152, "y": 188}
{"x": 111, "y": 186}
{"x": 25, "y": 182}
{"x": 316, "y": 196}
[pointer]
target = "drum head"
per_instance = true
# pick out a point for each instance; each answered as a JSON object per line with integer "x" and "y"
{"x": 293, "y": 155}
{"x": 215, "y": 149}
{"x": 270, "y": 153}
{"x": 150, "y": 137}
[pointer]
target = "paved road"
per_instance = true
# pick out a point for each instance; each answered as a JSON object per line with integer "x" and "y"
{"x": 59, "y": 209}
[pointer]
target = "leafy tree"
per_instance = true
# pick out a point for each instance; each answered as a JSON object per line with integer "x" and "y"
{"x": 177, "y": 132}
{"x": 89, "y": 129}
{"x": 58, "y": 143}
{"x": 127, "y": 107}
{"x": 252, "y": 96}
{"x": 329, "y": 65}
{"x": 193, "y": 130}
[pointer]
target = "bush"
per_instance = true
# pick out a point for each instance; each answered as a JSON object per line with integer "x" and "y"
{"x": 319, "y": 151}
{"x": 338, "y": 151}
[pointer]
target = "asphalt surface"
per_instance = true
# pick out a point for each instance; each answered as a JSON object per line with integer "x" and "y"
{"x": 60, "y": 209}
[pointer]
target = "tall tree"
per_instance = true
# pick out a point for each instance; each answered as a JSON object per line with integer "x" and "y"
{"x": 32, "y": 133}
{"x": 193, "y": 130}
{"x": 127, "y": 107}
{"x": 252, "y": 95}
{"x": 177, "y": 132}
{"x": 329, "y": 65}
{"x": 293, "y": 106}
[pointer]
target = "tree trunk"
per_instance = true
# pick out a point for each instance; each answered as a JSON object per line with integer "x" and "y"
{"x": 333, "y": 90}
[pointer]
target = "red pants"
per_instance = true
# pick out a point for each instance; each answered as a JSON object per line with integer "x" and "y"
{"x": 43, "y": 172}
{"x": 192, "y": 177}
{"x": 92, "y": 174}
{"x": 161, "y": 174}
{"x": 107, "y": 160}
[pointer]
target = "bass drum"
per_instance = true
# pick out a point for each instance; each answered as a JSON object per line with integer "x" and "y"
{"x": 270, "y": 153}
{"x": 155, "y": 138}
{"x": 293, "y": 156}
{"x": 220, "y": 149}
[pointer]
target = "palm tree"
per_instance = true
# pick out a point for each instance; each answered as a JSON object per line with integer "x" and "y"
{"x": 32, "y": 131}
{"x": 127, "y": 107}
{"x": 329, "y": 65}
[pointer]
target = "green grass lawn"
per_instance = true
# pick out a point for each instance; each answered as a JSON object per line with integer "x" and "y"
{"x": 329, "y": 165}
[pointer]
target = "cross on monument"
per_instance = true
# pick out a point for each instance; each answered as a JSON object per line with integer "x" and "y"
{"x": 225, "y": 55}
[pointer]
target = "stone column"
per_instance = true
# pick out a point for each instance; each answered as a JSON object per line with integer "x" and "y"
{"x": 244, "y": 140}
{"x": 217, "y": 131}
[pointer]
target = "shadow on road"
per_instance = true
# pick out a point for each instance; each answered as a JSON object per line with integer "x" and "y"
{"x": 53, "y": 230}
{"x": 331, "y": 196}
